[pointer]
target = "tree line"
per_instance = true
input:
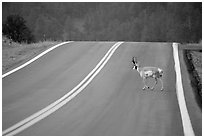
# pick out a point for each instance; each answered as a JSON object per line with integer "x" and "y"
{"x": 162, "y": 22}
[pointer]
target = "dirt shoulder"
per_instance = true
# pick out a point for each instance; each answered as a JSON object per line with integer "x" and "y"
{"x": 192, "y": 97}
{"x": 15, "y": 54}
{"x": 193, "y": 60}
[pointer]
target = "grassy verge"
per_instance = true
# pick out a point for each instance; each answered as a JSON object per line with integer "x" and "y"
{"x": 193, "y": 61}
{"x": 15, "y": 54}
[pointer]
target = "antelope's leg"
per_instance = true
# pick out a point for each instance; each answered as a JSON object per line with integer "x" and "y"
{"x": 145, "y": 86}
{"x": 154, "y": 84}
{"x": 162, "y": 88}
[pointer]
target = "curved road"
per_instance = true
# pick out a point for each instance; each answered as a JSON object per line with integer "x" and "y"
{"x": 112, "y": 104}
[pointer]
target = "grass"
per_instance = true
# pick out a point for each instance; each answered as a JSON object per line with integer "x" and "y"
{"x": 197, "y": 62}
{"x": 15, "y": 54}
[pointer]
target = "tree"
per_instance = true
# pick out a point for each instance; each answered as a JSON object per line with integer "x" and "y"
{"x": 47, "y": 28}
{"x": 15, "y": 28}
{"x": 170, "y": 22}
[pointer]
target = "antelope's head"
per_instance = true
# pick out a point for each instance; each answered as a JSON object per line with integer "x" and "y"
{"x": 135, "y": 63}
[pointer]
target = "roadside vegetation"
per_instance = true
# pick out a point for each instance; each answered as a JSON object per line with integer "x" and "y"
{"x": 193, "y": 59}
{"x": 197, "y": 62}
{"x": 15, "y": 54}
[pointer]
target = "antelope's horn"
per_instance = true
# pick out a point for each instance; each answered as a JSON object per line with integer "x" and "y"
{"x": 135, "y": 58}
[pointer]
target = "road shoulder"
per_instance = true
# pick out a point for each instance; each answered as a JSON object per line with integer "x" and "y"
{"x": 194, "y": 110}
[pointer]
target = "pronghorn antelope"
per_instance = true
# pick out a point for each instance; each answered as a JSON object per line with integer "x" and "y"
{"x": 148, "y": 72}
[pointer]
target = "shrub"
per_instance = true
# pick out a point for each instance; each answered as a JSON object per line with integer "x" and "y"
{"x": 15, "y": 29}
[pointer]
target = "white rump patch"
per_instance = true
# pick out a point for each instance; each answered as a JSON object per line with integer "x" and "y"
{"x": 159, "y": 69}
{"x": 148, "y": 73}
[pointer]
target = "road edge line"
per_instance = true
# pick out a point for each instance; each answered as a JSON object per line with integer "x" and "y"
{"x": 35, "y": 58}
{"x": 186, "y": 122}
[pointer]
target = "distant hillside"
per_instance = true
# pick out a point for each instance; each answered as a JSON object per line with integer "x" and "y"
{"x": 181, "y": 22}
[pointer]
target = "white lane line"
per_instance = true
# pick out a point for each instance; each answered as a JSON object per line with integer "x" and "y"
{"x": 35, "y": 58}
{"x": 22, "y": 125}
{"x": 187, "y": 127}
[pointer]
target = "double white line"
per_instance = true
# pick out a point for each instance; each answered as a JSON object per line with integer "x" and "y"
{"x": 24, "y": 124}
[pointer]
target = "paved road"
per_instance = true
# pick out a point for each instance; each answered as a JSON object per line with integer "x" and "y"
{"x": 112, "y": 104}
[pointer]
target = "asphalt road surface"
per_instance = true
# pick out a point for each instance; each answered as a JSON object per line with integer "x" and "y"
{"x": 112, "y": 104}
